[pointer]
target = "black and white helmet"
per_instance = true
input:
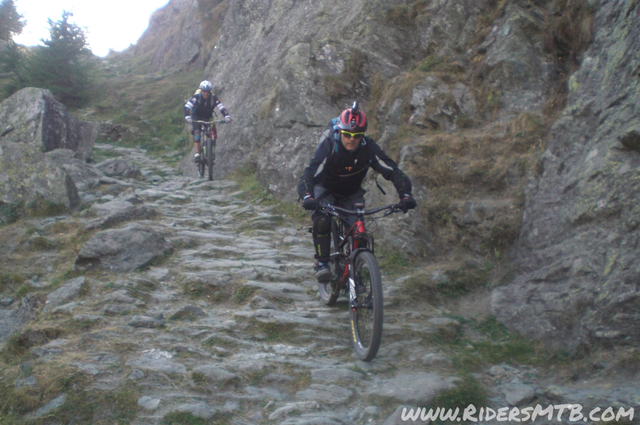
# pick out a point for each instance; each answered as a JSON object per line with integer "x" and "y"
{"x": 205, "y": 86}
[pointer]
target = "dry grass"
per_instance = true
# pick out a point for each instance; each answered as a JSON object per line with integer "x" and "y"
{"x": 487, "y": 167}
{"x": 482, "y": 159}
{"x": 405, "y": 16}
{"x": 570, "y": 31}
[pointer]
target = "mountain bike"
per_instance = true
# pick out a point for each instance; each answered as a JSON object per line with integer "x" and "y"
{"x": 208, "y": 155}
{"x": 355, "y": 271}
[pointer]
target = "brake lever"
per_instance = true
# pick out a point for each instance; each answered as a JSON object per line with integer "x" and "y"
{"x": 391, "y": 210}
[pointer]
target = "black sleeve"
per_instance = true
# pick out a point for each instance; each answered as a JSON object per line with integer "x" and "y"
{"x": 389, "y": 169}
{"x": 311, "y": 174}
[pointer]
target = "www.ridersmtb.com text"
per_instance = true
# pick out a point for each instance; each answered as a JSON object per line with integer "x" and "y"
{"x": 559, "y": 412}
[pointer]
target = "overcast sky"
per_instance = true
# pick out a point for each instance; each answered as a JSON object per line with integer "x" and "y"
{"x": 108, "y": 24}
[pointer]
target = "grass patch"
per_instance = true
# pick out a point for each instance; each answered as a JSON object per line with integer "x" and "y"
{"x": 439, "y": 65}
{"x": 40, "y": 207}
{"x": 53, "y": 380}
{"x": 100, "y": 407}
{"x": 11, "y": 280}
{"x": 257, "y": 193}
{"x": 95, "y": 407}
{"x": 391, "y": 261}
{"x": 18, "y": 344}
{"x": 139, "y": 114}
{"x": 183, "y": 418}
{"x": 467, "y": 391}
{"x": 503, "y": 346}
{"x": 243, "y": 293}
{"x": 274, "y": 332}
{"x": 405, "y": 16}
{"x": 502, "y": 235}
{"x": 186, "y": 418}
{"x": 448, "y": 284}
{"x": 9, "y": 213}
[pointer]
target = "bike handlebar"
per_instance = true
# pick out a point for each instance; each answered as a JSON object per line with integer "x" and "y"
{"x": 208, "y": 122}
{"x": 392, "y": 208}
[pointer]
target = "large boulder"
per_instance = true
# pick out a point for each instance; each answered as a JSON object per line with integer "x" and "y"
{"x": 33, "y": 116}
{"x": 577, "y": 253}
{"x": 33, "y": 123}
{"x": 30, "y": 182}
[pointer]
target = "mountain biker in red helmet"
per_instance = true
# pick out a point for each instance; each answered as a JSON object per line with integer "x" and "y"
{"x": 335, "y": 174}
{"x": 200, "y": 107}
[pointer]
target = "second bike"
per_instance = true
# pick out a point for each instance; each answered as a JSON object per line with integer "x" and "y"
{"x": 210, "y": 136}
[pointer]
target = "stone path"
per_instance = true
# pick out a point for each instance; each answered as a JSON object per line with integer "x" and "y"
{"x": 228, "y": 327}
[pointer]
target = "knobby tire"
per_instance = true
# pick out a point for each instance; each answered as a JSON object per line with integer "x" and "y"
{"x": 329, "y": 291}
{"x": 366, "y": 321}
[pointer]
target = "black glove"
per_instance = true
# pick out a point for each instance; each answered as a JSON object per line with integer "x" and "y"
{"x": 309, "y": 203}
{"x": 408, "y": 203}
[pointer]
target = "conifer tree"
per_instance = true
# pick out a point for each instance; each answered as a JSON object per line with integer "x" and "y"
{"x": 64, "y": 64}
{"x": 12, "y": 68}
{"x": 11, "y": 22}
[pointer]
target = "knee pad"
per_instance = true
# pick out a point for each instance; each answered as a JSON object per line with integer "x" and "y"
{"x": 322, "y": 225}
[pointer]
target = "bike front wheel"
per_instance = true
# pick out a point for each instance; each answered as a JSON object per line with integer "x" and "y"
{"x": 366, "y": 309}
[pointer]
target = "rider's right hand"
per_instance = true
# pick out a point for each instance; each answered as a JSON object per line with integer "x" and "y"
{"x": 309, "y": 203}
{"x": 188, "y": 119}
{"x": 407, "y": 203}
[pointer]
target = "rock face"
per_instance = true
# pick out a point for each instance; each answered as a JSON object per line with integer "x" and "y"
{"x": 34, "y": 123}
{"x": 577, "y": 249}
{"x": 283, "y": 74}
{"x": 188, "y": 44}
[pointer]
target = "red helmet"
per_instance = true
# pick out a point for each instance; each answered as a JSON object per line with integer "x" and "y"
{"x": 353, "y": 120}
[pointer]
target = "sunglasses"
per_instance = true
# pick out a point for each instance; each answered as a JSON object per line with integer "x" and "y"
{"x": 353, "y": 135}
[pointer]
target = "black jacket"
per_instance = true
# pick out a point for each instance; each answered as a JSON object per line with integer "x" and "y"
{"x": 341, "y": 172}
{"x": 201, "y": 109}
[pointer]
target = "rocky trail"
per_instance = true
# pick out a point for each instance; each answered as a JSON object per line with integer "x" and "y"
{"x": 203, "y": 306}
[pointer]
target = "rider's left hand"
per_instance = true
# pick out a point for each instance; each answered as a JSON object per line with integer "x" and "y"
{"x": 408, "y": 203}
{"x": 227, "y": 119}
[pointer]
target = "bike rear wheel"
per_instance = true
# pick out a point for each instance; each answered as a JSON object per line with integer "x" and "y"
{"x": 210, "y": 157}
{"x": 329, "y": 291}
{"x": 366, "y": 311}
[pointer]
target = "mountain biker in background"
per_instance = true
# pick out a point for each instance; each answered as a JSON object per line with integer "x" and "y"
{"x": 335, "y": 174}
{"x": 201, "y": 107}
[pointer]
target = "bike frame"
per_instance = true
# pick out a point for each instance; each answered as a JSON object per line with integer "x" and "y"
{"x": 353, "y": 239}
{"x": 209, "y": 132}
{"x": 209, "y": 127}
